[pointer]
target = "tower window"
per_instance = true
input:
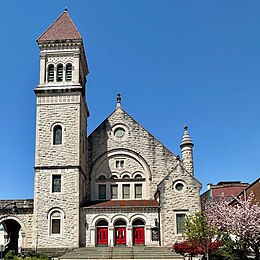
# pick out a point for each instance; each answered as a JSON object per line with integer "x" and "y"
{"x": 57, "y": 134}
{"x": 55, "y": 222}
{"x": 56, "y": 183}
{"x": 60, "y": 72}
{"x": 55, "y": 226}
{"x": 50, "y": 73}
{"x": 68, "y": 72}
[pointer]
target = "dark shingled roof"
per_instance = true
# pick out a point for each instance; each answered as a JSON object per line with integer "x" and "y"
{"x": 62, "y": 29}
{"x": 120, "y": 203}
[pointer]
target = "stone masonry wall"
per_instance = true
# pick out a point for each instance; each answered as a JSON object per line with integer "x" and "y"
{"x": 175, "y": 201}
{"x": 158, "y": 158}
{"x": 66, "y": 201}
{"x": 65, "y": 110}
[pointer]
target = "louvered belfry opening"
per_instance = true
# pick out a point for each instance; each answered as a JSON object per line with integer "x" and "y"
{"x": 51, "y": 73}
{"x": 59, "y": 72}
{"x": 68, "y": 72}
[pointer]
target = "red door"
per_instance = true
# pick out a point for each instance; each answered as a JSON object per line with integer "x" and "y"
{"x": 102, "y": 235}
{"x": 120, "y": 235}
{"x": 138, "y": 235}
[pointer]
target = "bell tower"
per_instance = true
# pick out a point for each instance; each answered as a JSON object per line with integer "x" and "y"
{"x": 61, "y": 126}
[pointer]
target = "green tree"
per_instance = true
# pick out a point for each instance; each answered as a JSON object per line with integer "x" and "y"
{"x": 199, "y": 231}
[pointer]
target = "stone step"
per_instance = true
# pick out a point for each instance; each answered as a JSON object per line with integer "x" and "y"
{"x": 136, "y": 252}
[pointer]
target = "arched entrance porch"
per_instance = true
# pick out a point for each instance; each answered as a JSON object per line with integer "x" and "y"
{"x": 102, "y": 232}
{"x": 120, "y": 232}
{"x": 138, "y": 232}
{"x": 12, "y": 234}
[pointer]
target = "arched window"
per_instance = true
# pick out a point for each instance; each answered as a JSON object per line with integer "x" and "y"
{"x": 138, "y": 222}
{"x": 126, "y": 176}
{"x": 55, "y": 222}
{"x": 120, "y": 222}
{"x": 59, "y": 72}
{"x": 57, "y": 134}
{"x": 102, "y": 177}
{"x": 102, "y": 222}
{"x": 69, "y": 72}
{"x": 50, "y": 77}
{"x": 138, "y": 176}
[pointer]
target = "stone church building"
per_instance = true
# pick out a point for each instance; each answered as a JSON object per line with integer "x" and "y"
{"x": 118, "y": 186}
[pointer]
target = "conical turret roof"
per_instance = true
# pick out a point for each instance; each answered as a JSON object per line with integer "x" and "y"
{"x": 186, "y": 139}
{"x": 62, "y": 28}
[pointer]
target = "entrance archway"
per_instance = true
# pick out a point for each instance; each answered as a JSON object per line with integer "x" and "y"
{"x": 138, "y": 232}
{"x": 102, "y": 232}
{"x": 12, "y": 229}
{"x": 120, "y": 232}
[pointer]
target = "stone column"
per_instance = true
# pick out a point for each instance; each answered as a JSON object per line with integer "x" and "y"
{"x": 111, "y": 236}
{"x": 129, "y": 236}
{"x": 92, "y": 236}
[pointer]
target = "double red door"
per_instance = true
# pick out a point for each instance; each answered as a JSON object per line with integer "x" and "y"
{"x": 120, "y": 235}
{"x": 138, "y": 235}
{"x": 102, "y": 235}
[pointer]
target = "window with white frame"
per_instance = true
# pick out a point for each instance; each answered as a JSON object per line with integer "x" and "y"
{"x": 114, "y": 191}
{"x": 57, "y": 134}
{"x": 120, "y": 186}
{"x": 55, "y": 222}
{"x": 126, "y": 191}
{"x": 56, "y": 183}
{"x": 180, "y": 220}
{"x": 138, "y": 191}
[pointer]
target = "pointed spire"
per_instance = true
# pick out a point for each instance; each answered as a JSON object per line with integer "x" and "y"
{"x": 186, "y": 139}
{"x": 187, "y": 151}
{"x": 62, "y": 29}
{"x": 118, "y": 100}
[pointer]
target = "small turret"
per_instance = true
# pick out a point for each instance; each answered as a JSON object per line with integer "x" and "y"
{"x": 187, "y": 151}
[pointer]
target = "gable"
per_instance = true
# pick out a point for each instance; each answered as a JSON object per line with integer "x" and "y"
{"x": 121, "y": 134}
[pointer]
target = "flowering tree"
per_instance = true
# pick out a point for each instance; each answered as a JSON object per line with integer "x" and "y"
{"x": 241, "y": 220}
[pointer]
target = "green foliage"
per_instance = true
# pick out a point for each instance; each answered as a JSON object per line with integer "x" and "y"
{"x": 231, "y": 250}
{"x": 11, "y": 255}
{"x": 196, "y": 228}
{"x": 31, "y": 255}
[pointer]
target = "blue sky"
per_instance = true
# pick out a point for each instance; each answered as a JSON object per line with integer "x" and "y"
{"x": 173, "y": 61}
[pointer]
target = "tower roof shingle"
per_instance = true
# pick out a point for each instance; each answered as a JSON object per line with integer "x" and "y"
{"x": 62, "y": 28}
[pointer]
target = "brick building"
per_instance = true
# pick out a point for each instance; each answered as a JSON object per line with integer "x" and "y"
{"x": 223, "y": 189}
{"x": 118, "y": 186}
{"x": 253, "y": 188}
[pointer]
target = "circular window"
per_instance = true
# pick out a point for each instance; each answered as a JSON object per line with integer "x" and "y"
{"x": 119, "y": 132}
{"x": 179, "y": 186}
